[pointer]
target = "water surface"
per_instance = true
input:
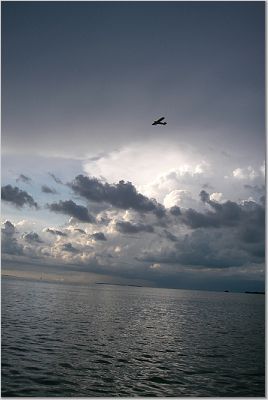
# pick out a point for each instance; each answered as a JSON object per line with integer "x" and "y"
{"x": 70, "y": 340}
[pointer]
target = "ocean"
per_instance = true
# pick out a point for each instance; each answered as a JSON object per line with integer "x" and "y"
{"x": 118, "y": 341}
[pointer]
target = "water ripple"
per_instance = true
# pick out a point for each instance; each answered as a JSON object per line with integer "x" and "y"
{"x": 71, "y": 341}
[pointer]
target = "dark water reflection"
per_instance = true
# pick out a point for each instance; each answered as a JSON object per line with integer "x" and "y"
{"x": 67, "y": 340}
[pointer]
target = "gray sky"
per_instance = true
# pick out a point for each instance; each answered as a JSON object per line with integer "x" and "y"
{"x": 82, "y": 83}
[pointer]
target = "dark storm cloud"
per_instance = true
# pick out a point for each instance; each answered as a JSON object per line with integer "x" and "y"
{"x": 32, "y": 237}
{"x": 202, "y": 248}
{"x": 230, "y": 235}
{"x": 17, "y": 197}
{"x": 170, "y": 236}
{"x": 72, "y": 209}
{"x": 175, "y": 210}
{"x": 23, "y": 178}
{"x": 56, "y": 232}
{"x": 69, "y": 247}
{"x": 8, "y": 229}
{"x": 47, "y": 189}
{"x": 122, "y": 195}
{"x": 99, "y": 236}
{"x": 128, "y": 227}
{"x": 55, "y": 178}
{"x": 9, "y": 244}
{"x": 195, "y": 219}
{"x": 204, "y": 196}
{"x": 225, "y": 214}
{"x": 247, "y": 221}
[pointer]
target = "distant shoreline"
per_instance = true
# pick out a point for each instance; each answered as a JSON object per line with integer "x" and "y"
{"x": 116, "y": 284}
{"x": 59, "y": 281}
{"x": 248, "y": 292}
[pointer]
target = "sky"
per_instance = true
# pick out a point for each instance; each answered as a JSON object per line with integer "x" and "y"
{"x": 90, "y": 188}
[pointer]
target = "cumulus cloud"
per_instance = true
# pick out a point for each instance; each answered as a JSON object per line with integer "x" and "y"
{"x": 32, "y": 237}
{"x": 230, "y": 234}
{"x": 23, "y": 178}
{"x": 170, "y": 236}
{"x": 69, "y": 248}
{"x": 122, "y": 195}
{"x": 47, "y": 189}
{"x": 225, "y": 214}
{"x": 195, "y": 219}
{"x": 245, "y": 173}
{"x": 17, "y": 197}
{"x": 181, "y": 198}
{"x": 9, "y": 244}
{"x": 72, "y": 209}
{"x": 175, "y": 210}
{"x": 55, "y": 232}
{"x": 8, "y": 228}
{"x": 98, "y": 236}
{"x": 213, "y": 249}
{"x": 128, "y": 227}
{"x": 216, "y": 196}
{"x": 80, "y": 231}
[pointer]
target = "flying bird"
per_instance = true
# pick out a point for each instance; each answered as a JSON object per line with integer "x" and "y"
{"x": 158, "y": 121}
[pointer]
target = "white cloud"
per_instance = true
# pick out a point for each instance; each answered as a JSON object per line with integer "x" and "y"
{"x": 154, "y": 167}
{"x": 217, "y": 196}
{"x": 155, "y": 266}
{"x": 245, "y": 173}
{"x": 181, "y": 198}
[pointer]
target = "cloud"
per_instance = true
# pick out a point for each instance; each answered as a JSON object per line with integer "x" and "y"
{"x": 128, "y": 227}
{"x": 195, "y": 219}
{"x": 122, "y": 195}
{"x": 99, "y": 236}
{"x": 225, "y": 214}
{"x": 170, "y": 236}
{"x": 204, "y": 196}
{"x": 47, "y": 189}
{"x": 23, "y": 178}
{"x": 216, "y": 196}
{"x": 247, "y": 215}
{"x": 55, "y": 232}
{"x": 245, "y": 173}
{"x": 17, "y": 197}
{"x": 175, "y": 210}
{"x": 230, "y": 235}
{"x": 80, "y": 230}
{"x": 207, "y": 186}
{"x": 55, "y": 178}
{"x": 72, "y": 209}
{"x": 182, "y": 198}
{"x": 69, "y": 248}
{"x": 203, "y": 249}
{"x": 32, "y": 237}
{"x": 8, "y": 229}
{"x": 256, "y": 189}
{"x": 9, "y": 244}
